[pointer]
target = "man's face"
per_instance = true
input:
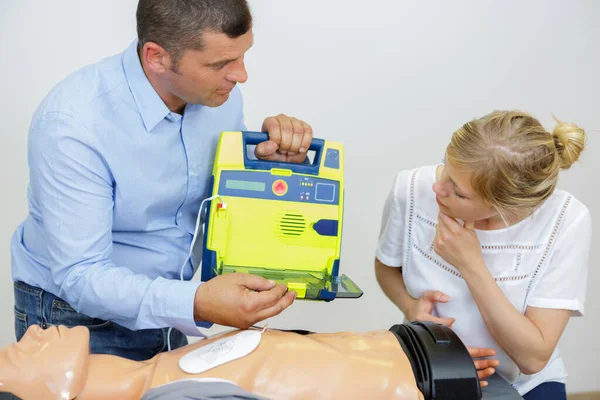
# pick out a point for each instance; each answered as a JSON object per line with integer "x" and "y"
{"x": 208, "y": 76}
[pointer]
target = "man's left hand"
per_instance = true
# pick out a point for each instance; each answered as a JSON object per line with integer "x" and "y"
{"x": 289, "y": 140}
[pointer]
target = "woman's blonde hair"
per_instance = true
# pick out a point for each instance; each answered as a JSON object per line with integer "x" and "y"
{"x": 515, "y": 162}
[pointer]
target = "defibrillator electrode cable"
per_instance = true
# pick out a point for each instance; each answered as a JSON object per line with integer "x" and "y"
{"x": 198, "y": 224}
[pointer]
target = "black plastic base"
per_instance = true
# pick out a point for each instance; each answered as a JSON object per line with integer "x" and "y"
{"x": 443, "y": 367}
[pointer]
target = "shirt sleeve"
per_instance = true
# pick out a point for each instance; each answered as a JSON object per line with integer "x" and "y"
{"x": 564, "y": 282}
{"x": 391, "y": 234}
{"x": 73, "y": 190}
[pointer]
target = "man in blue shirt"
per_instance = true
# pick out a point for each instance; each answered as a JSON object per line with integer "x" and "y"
{"x": 120, "y": 157}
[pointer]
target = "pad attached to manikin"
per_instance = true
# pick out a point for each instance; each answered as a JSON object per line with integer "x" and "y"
{"x": 220, "y": 352}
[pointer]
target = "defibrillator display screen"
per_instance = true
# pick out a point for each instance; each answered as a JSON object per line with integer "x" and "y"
{"x": 245, "y": 185}
{"x": 325, "y": 192}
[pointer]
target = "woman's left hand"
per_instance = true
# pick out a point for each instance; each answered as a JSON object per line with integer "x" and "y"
{"x": 457, "y": 244}
{"x": 485, "y": 367}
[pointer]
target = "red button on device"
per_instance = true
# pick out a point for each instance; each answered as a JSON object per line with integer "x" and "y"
{"x": 280, "y": 187}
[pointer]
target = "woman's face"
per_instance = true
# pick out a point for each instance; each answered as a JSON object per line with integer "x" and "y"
{"x": 46, "y": 363}
{"x": 456, "y": 197}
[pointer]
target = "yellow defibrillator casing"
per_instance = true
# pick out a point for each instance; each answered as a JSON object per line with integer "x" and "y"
{"x": 282, "y": 221}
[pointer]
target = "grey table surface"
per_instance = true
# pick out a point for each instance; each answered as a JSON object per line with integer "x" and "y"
{"x": 498, "y": 389}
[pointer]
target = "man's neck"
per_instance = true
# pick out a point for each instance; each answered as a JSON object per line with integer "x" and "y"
{"x": 173, "y": 103}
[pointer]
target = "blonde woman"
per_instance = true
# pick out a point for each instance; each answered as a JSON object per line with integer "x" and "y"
{"x": 486, "y": 244}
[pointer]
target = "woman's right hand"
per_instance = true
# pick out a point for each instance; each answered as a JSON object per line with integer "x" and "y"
{"x": 420, "y": 309}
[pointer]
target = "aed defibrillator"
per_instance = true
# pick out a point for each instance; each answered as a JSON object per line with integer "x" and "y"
{"x": 282, "y": 221}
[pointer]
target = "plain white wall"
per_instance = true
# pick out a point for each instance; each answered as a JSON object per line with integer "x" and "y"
{"x": 389, "y": 79}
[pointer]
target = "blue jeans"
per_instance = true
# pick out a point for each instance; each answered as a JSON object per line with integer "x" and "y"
{"x": 36, "y": 306}
{"x": 547, "y": 391}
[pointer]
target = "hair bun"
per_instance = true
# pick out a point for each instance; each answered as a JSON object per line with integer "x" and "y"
{"x": 569, "y": 140}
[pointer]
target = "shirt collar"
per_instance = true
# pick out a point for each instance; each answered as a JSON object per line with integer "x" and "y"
{"x": 151, "y": 107}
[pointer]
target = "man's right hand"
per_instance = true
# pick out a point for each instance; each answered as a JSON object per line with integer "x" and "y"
{"x": 420, "y": 309}
{"x": 240, "y": 300}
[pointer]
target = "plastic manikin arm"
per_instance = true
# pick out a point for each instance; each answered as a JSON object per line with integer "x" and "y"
{"x": 284, "y": 365}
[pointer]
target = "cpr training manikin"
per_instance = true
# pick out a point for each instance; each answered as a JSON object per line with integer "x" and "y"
{"x": 56, "y": 363}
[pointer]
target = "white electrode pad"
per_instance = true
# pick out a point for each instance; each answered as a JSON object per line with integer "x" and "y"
{"x": 220, "y": 352}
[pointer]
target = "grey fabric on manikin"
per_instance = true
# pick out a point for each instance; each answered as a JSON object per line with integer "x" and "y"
{"x": 191, "y": 389}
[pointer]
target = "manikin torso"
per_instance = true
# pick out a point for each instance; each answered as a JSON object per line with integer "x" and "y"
{"x": 285, "y": 365}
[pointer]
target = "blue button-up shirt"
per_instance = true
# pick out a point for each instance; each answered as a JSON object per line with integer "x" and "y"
{"x": 116, "y": 180}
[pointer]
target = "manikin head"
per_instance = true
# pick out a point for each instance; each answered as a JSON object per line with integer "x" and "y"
{"x": 46, "y": 363}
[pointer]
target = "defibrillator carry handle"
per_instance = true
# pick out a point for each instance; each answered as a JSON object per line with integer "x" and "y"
{"x": 308, "y": 167}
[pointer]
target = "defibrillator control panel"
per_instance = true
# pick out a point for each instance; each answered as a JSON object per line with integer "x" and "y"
{"x": 264, "y": 185}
